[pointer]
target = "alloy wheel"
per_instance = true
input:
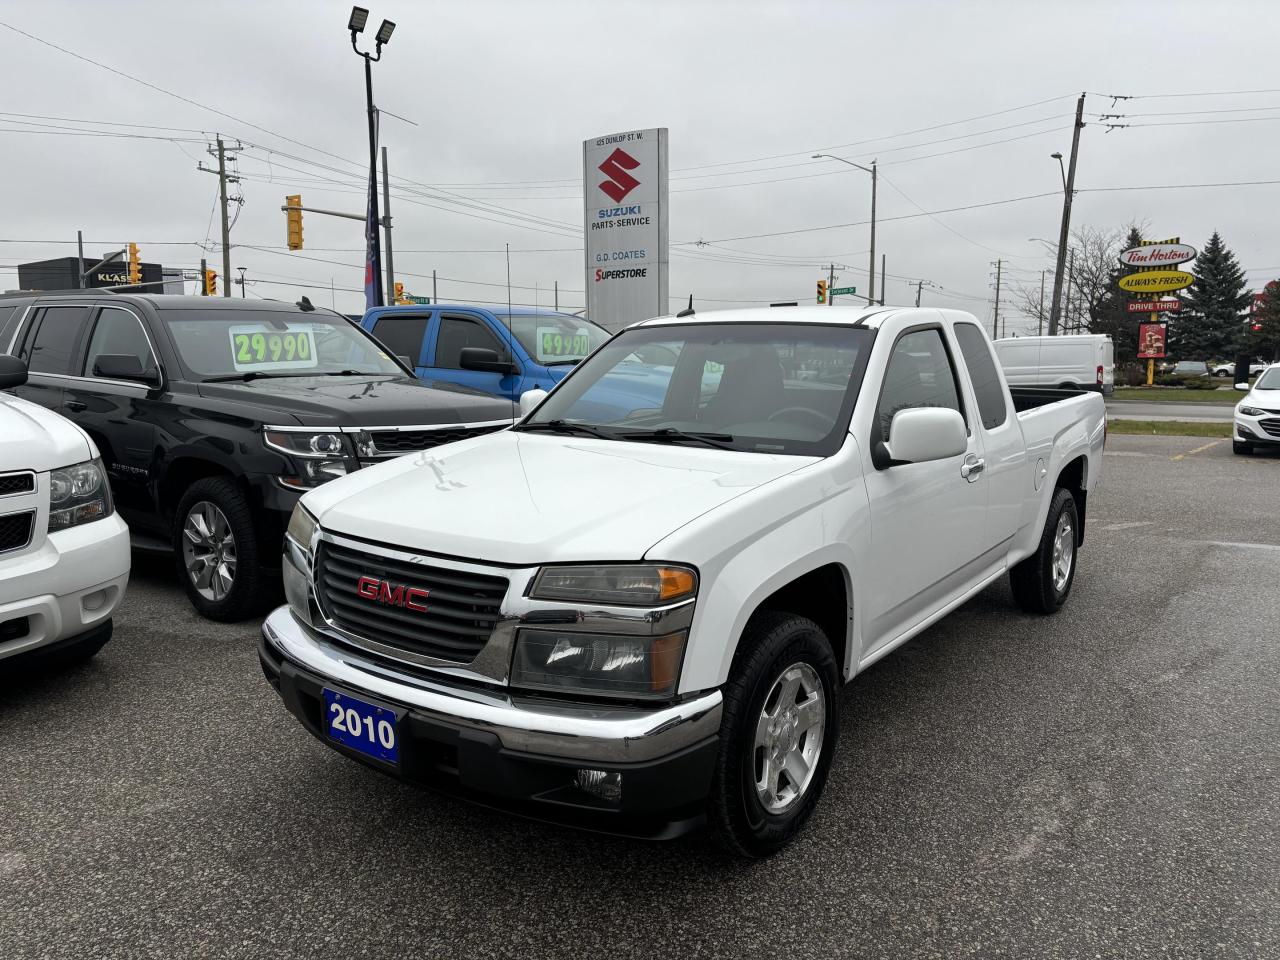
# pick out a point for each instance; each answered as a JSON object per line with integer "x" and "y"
{"x": 209, "y": 551}
{"x": 1064, "y": 552}
{"x": 789, "y": 736}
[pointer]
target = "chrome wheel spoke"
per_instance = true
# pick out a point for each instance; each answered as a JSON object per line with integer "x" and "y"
{"x": 209, "y": 551}
{"x": 811, "y": 713}
{"x": 788, "y": 737}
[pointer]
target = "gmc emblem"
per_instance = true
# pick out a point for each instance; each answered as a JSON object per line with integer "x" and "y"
{"x": 392, "y": 594}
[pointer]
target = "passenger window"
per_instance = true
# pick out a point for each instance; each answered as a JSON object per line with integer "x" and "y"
{"x": 8, "y": 320}
{"x": 55, "y": 339}
{"x": 457, "y": 333}
{"x": 403, "y": 334}
{"x": 919, "y": 375}
{"x": 982, "y": 371}
{"x": 118, "y": 333}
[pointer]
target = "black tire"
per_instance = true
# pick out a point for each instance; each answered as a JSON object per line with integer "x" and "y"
{"x": 772, "y": 644}
{"x": 1033, "y": 580}
{"x": 1239, "y": 447}
{"x": 247, "y": 594}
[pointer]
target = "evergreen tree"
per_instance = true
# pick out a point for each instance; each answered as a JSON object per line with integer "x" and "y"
{"x": 1110, "y": 315}
{"x": 1210, "y": 325}
{"x": 1265, "y": 341}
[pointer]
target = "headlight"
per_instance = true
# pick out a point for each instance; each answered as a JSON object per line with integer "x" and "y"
{"x": 632, "y": 584}
{"x": 320, "y": 455}
{"x": 598, "y": 665}
{"x": 78, "y": 494}
{"x": 296, "y": 569}
{"x": 302, "y": 526}
{"x": 1250, "y": 411}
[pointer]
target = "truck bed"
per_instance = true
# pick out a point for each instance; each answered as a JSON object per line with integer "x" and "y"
{"x": 1029, "y": 398}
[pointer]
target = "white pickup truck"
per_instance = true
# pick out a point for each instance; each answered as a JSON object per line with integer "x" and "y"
{"x": 634, "y": 610}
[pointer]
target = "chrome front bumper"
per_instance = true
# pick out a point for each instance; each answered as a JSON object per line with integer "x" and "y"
{"x": 586, "y": 732}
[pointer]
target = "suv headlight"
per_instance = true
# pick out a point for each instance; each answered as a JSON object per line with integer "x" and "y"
{"x": 629, "y": 584}
{"x": 78, "y": 494}
{"x": 1250, "y": 411}
{"x": 296, "y": 568}
{"x": 598, "y": 665}
{"x": 320, "y": 455}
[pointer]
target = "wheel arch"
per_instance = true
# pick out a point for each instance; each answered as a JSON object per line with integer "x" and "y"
{"x": 1074, "y": 477}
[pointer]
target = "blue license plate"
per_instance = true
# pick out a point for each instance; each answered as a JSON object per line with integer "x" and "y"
{"x": 361, "y": 726}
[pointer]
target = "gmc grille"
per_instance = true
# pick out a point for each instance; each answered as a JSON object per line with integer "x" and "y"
{"x": 391, "y": 443}
{"x": 15, "y": 530}
{"x": 11, "y": 483}
{"x": 462, "y": 608}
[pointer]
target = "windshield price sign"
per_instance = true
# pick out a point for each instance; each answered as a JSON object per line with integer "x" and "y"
{"x": 555, "y": 343}
{"x": 624, "y": 191}
{"x": 255, "y": 347}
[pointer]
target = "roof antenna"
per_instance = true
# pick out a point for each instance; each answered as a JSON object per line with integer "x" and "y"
{"x": 687, "y": 311}
{"x": 305, "y": 305}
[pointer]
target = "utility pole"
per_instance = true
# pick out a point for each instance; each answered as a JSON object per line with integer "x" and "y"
{"x": 1071, "y": 282}
{"x": 386, "y": 220}
{"x": 882, "y": 279}
{"x": 557, "y": 296}
{"x": 204, "y": 269}
{"x": 243, "y": 294}
{"x": 831, "y": 284}
{"x": 1040, "y": 312}
{"x": 435, "y": 297}
{"x": 1055, "y": 308}
{"x": 223, "y": 179}
{"x": 871, "y": 293}
{"x": 995, "y": 323}
{"x": 80, "y": 253}
{"x": 919, "y": 288}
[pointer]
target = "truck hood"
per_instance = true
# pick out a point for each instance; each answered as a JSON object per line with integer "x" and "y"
{"x": 359, "y": 401}
{"x": 528, "y": 499}
{"x": 34, "y": 438}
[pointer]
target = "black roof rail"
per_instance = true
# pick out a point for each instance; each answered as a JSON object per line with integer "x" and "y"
{"x": 86, "y": 292}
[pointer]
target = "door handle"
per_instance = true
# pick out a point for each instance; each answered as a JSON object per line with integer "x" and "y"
{"x": 77, "y": 405}
{"x": 972, "y": 468}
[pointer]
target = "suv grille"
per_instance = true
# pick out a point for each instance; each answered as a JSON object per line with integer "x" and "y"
{"x": 461, "y": 608}
{"x": 394, "y": 442}
{"x": 11, "y": 483}
{"x": 1271, "y": 425}
{"x": 15, "y": 530}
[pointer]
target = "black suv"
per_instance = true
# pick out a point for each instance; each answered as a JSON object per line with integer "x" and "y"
{"x": 214, "y": 414}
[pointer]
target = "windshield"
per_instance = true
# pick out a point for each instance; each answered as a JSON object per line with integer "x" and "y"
{"x": 1269, "y": 380}
{"x": 552, "y": 338}
{"x": 243, "y": 343}
{"x": 771, "y": 388}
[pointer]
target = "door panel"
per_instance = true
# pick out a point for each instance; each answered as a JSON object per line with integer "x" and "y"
{"x": 927, "y": 519}
{"x": 48, "y": 346}
{"x": 451, "y": 335}
{"x": 120, "y": 416}
{"x": 404, "y": 335}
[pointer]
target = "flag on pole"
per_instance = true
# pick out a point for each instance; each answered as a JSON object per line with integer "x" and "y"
{"x": 372, "y": 268}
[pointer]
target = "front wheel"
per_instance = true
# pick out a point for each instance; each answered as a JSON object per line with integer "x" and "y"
{"x": 218, "y": 551}
{"x": 1042, "y": 582}
{"x": 777, "y": 735}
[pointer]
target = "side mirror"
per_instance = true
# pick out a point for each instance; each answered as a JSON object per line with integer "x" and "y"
{"x": 13, "y": 372}
{"x": 121, "y": 366}
{"x": 530, "y": 399}
{"x": 920, "y": 434}
{"x": 482, "y": 358}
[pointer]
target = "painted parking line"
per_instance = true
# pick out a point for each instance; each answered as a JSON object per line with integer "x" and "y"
{"x": 1191, "y": 453}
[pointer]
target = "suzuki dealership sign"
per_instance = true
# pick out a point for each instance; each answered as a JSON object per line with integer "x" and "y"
{"x": 624, "y": 193}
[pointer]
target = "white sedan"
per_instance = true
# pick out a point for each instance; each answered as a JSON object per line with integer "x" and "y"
{"x": 1257, "y": 419}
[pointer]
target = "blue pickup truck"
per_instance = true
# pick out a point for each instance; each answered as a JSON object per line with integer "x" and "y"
{"x": 498, "y": 352}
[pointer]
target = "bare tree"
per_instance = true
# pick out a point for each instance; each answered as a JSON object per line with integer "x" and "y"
{"x": 1091, "y": 258}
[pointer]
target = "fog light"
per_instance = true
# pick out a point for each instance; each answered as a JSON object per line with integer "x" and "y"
{"x": 93, "y": 602}
{"x": 600, "y": 783}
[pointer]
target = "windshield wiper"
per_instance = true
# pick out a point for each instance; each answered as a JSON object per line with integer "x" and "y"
{"x": 561, "y": 363}
{"x": 722, "y": 440}
{"x": 565, "y": 426}
{"x": 251, "y": 375}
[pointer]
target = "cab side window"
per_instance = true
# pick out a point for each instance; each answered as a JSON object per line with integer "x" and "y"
{"x": 457, "y": 333}
{"x": 57, "y": 332}
{"x": 8, "y": 320}
{"x": 402, "y": 334}
{"x": 919, "y": 375}
{"x": 982, "y": 371}
{"x": 118, "y": 332}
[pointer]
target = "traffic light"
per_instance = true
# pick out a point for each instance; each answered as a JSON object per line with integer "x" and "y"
{"x": 135, "y": 265}
{"x": 822, "y": 291}
{"x": 399, "y": 297}
{"x": 210, "y": 283}
{"x": 293, "y": 219}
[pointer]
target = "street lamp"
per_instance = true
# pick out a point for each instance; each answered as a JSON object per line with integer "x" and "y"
{"x": 359, "y": 18}
{"x": 871, "y": 283}
{"x": 1061, "y": 169}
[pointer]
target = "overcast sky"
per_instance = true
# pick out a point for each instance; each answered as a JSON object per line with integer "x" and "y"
{"x": 502, "y": 94}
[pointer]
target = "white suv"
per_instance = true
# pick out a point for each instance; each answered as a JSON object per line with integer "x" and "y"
{"x": 64, "y": 551}
{"x": 1257, "y": 419}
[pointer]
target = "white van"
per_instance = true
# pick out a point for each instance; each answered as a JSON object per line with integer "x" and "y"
{"x": 1082, "y": 361}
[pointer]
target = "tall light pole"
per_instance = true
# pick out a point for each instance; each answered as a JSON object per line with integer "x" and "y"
{"x": 871, "y": 265}
{"x": 1064, "y": 233}
{"x": 359, "y": 17}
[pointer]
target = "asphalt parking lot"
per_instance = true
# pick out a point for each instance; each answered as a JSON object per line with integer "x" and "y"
{"x": 1099, "y": 783}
